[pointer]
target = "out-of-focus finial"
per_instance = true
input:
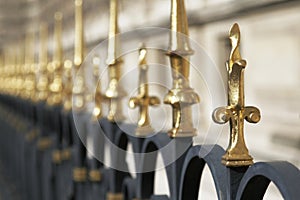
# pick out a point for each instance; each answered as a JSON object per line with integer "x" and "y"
{"x": 56, "y": 85}
{"x": 30, "y": 67}
{"x": 143, "y": 100}
{"x": 42, "y": 82}
{"x": 114, "y": 92}
{"x": 58, "y": 53}
{"x": 67, "y": 85}
{"x": 97, "y": 111}
{"x": 79, "y": 35}
{"x": 79, "y": 86}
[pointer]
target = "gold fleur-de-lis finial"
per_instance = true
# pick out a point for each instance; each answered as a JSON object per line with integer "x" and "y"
{"x": 143, "y": 100}
{"x": 237, "y": 153}
{"x": 181, "y": 97}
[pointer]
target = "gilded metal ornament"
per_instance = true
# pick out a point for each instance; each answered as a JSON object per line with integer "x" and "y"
{"x": 114, "y": 196}
{"x": 18, "y": 75}
{"x": 79, "y": 86}
{"x": 97, "y": 111}
{"x": 56, "y": 86}
{"x": 143, "y": 100}
{"x": 42, "y": 80}
{"x": 95, "y": 175}
{"x": 114, "y": 92}
{"x": 237, "y": 153}
{"x": 79, "y": 174}
{"x": 181, "y": 97}
{"x": 30, "y": 68}
{"x": 67, "y": 85}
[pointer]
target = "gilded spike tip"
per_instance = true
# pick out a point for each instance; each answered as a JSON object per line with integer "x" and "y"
{"x": 143, "y": 100}
{"x": 30, "y": 67}
{"x": 58, "y": 54}
{"x": 10, "y": 72}
{"x": 79, "y": 82}
{"x": 20, "y": 68}
{"x": 42, "y": 82}
{"x": 97, "y": 111}
{"x": 113, "y": 43}
{"x": 43, "y": 54}
{"x": 79, "y": 38}
{"x": 67, "y": 85}
{"x": 114, "y": 92}
{"x": 237, "y": 153}
{"x": 29, "y": 47}
{"x": 56, "y": 86}
{"x": 181, "y": 97}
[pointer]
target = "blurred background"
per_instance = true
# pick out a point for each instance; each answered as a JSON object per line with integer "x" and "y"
{"x": 270, "y": 43}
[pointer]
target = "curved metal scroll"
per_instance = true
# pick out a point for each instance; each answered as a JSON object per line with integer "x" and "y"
{"x": 193, "y": 168}
{"x": 145, "y": 186}
{"x": 257, "y": 178}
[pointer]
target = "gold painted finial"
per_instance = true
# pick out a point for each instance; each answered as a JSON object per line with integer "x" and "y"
{"x": 43, "y": 54}
{"x": 2, "y": 75}
{"x": 58, "y": 53}
{"x": 9, "y": 67}
{"x": 20, "y": 70}
{"x": 143, "y": 100}
{"x": 237, "y": 153}
{"x": 181, "y": 97}
{"x": 67, "y": 85}
{"x": 113, "y": 43}
{"x": 97, "y": 111}
{"x": 79, "y": 35}
{"x": 29, "y": 47}
{"x": 79, "y": 81}
{"x": 42, "y": 82}
{"x": 19, "y": 66}
{"x": 114, "y": 92}
{"x": 30, "y": 67}
{"x": 56, "y": 85}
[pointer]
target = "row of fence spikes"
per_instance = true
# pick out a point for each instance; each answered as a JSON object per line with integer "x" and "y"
{"x": 54, "y": 83}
